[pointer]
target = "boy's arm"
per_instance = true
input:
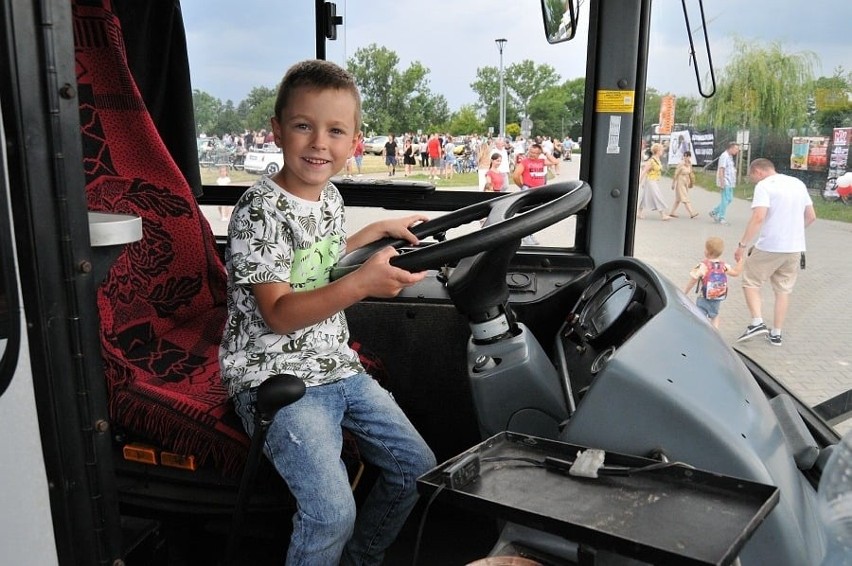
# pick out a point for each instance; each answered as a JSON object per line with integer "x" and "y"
{"x": 286, "y": 311}
{"x": 736, "y": 270}
{"x": 695, "y": 274}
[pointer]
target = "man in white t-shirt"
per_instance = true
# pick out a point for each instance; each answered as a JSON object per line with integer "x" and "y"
{"x": 781, "y": 210}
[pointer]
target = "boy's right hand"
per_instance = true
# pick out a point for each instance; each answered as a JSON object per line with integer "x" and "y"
{"x": 380, "y": 279}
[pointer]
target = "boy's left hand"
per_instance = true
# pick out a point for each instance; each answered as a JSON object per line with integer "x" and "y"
{"x": 400, "y": 227}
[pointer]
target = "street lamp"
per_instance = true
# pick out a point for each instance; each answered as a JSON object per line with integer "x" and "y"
{"x": 500, "y": 43}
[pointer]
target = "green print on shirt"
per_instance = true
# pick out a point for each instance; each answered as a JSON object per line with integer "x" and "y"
{"x": 311, "y": 267}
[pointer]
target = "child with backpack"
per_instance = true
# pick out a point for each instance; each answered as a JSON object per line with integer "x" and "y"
{"x": 710, "y": 279}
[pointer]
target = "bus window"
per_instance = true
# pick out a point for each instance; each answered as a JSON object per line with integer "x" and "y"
{"x": 451, "y": 90}
{"x": 8, "y": 296}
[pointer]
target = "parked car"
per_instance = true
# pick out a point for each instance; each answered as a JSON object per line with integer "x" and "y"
{"x": 268, "y": 160}
{"x": 375, "y": 145}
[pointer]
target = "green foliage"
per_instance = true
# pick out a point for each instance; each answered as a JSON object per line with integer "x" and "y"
{"x": 393, "y": 100}
{"x": 832, "y": 107}
{"x": 762, "y": 86}
{"x": 525, "y": 80}
{"x": 686, "y": 109}
{"x": 206, "y": 111}
{"x": 558, "y": 110}
{"x": 465, "y": 121}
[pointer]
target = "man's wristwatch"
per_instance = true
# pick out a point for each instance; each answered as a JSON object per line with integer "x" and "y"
{"x": 741, "y": 245}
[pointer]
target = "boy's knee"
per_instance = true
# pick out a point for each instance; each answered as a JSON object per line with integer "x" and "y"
{"x": 330, "y": 519}
{"x": 427, "y": 463}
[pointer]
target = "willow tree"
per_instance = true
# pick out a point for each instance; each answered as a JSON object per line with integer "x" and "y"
{"x": 762, "y": 87}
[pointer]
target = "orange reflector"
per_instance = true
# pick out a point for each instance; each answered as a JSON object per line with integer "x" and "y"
{"x": 178, "y": 461}
{"x": 141, "y": 453}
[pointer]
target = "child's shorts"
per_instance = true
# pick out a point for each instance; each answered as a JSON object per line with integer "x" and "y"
{"x": 709, "y": 307}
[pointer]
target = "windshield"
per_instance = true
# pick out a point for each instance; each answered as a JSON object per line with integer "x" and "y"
{"x": 471, "y": 74}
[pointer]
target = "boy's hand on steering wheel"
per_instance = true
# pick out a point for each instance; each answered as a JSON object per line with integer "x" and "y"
{"x": 382, "y": 280}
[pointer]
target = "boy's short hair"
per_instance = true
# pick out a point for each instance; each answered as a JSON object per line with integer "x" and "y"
{"x": 714, "y": 246}
{"x": 317, "y": 74}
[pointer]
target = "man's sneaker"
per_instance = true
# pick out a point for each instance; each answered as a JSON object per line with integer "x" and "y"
{"x": 713, "y": 215}
{"x": 753, "y": 330}
{"x": 723, "y": 222}
{"x": 775, "y": 339}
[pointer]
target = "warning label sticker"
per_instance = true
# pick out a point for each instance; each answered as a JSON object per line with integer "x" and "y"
{"x": 615, "y": 101}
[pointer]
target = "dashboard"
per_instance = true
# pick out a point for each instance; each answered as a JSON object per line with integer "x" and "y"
{"x": 619, "y": 299}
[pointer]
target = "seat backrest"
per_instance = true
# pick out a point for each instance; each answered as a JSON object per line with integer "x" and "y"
{"x": 162, "y": 303}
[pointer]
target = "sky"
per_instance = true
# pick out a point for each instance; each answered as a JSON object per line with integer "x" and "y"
{"x": 452, "y": 39}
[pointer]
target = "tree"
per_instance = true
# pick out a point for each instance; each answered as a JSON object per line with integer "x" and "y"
{"x": 686, "y": 110}
{"x": 465, "y": 121}
{"x": 393, "y": 100}
{"x": 762, "y": 87}
{"x": 206, "y": 108}
{"x": 832, "y": 107}
{"x": 522, "y": 81}
{"x": 651, "y": 112}
{"x": 258, "y": 107}
{"x": 526, "y": 80}
{"x": 228, "y": 121}
{"x": 558, "y": 110}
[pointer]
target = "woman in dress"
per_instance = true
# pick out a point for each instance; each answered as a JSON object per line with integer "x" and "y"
{"x": 493, "y": 177}
{"x": 684, "y": 178}
{"x": 408, "y": 159}
{"x": 649, "y": 179}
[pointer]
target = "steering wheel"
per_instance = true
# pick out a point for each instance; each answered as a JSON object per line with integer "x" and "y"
{"x": 509, "y": 218}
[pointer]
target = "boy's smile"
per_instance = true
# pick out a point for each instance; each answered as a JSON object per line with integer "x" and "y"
{"x": 317, "y": 134}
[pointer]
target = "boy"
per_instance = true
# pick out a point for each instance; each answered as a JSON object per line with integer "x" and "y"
{"x": 712, "y": 274}
{"x": 284, "y": 316}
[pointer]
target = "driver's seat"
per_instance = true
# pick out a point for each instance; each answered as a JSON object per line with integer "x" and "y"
{"x": 162, "y": 302}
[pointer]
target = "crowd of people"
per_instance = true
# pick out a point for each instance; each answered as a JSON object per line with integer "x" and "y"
{"x": 438, "y": 154}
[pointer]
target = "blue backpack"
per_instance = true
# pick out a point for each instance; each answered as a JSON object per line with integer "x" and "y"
{"x": 714, "y": 284}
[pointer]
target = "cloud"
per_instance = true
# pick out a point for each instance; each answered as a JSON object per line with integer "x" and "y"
{"x": 234, "y": 47}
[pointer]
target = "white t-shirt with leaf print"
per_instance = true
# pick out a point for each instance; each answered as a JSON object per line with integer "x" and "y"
{"x": 274, "y": 236}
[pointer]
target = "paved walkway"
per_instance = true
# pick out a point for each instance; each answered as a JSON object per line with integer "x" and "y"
{"x": 815, "y": 361}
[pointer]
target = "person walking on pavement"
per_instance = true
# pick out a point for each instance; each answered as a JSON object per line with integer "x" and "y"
{"x": 684, "y": 179}
{"x": 781, "y": 210}
{"x": 726, "y": 178}
{"x": 649, "y": 179}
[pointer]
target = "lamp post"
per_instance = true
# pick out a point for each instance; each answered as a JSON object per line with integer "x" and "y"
{"x": 500, "y": 43}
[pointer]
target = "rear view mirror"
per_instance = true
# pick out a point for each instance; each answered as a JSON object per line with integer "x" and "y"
{"x": 560, "y": 19}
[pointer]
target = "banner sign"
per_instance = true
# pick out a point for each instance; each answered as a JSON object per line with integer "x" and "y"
{"x": 809, "y": 153}
{"x": 703, "y": 144}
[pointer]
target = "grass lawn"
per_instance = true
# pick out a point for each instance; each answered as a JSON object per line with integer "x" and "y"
{"x": 372, "y": 165}
{"x": 825, "y": 210}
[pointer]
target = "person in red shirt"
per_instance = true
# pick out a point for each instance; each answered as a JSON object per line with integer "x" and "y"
{"x": 531, "y": 170}
{"x": 493, "y": 177}
{"x": 433, "y": 146}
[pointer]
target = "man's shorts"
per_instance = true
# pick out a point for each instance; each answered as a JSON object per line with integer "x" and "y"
{"x": 780, "y": 268}
{"x": 390, "y": 160}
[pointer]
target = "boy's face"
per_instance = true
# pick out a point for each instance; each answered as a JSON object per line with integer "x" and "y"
{"x": 316, "y": 131}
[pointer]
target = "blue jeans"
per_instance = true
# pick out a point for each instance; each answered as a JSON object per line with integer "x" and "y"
{"x": 304, "y": 444}
{"x": 722, "y": 208}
